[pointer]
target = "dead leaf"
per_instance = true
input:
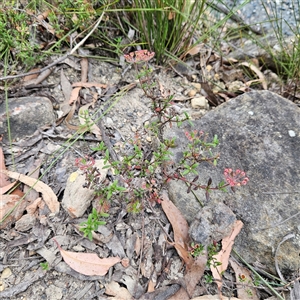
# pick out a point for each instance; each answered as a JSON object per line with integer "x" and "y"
{"x": 87, "y": 263}
{"x": 34, "y": 172}
{"x": 40, "y": 78}
{"x": 256, "y": 70}
{"x": 9, "y": 212}
{"x": 191, "y": 278}
{"x": 48, "y": 195}
{"x": 151, "y": 286}
{"x": 31, "y": 209}
{"x": 84, "y": 69}
{"x": 6, "y": 188}
{"x": 70, "y": 116}
{"x": 184, "y": 254}
{"x": 119, "y": 293}
{"x": 74, "y": 95}
{"x": 178, "y": 222}
{"x": 223, "y": 255}
{"x": 66, "y": 87}
{"x": 32, "y": 76}
{"x": 242, "y": 275}
{"x": 195, "y": 50}
{"x": 195, "y": 273}
{"x": 89, "y": 84}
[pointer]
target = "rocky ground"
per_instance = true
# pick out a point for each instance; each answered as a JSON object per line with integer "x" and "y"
{"x": 142, "y": 241}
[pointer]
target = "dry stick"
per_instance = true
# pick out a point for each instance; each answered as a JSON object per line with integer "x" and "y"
{"x": 60, "y": 59}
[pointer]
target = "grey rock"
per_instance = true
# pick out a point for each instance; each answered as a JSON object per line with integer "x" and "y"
{"x": 213, "y": 223}
{"x": 26, "y": 115}
{"x": 253, "y": 131}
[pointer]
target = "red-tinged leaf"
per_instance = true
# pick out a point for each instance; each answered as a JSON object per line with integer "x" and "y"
{"x": 189, "y": 189}
{"x": 207, "y": 195}
{"x": 178, "y": 222}
{"x": 209, "y": 182}
{"x": 196, "y": 178}
{"x": 195, "y": 188}
{"x": 87, "y": 263}
{"x": 223, "y": 255}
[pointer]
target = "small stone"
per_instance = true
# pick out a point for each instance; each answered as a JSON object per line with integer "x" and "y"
{"x": 109, "y": 122}
{"x": 78, "y": 248}
{"x": 197, "y": 86}
{"x": 192, "y": 93}
{"x": 148, "y": 139}
{"x": 6, "y": 273}
{"x": 292, "y": 133}
{"x": 199, "y": 102}
{"x": 133, "y": 128}
{"x": 235, "y": 86}
{"x": 2, "y": 286}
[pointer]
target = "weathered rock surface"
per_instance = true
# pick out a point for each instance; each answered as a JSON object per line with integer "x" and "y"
{"x": 78, "y": 198}
{"x": 26, "y": 114}
{"x": 254, "y": 131}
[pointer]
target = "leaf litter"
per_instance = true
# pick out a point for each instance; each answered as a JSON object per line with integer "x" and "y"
{"x": 84, "y": 263}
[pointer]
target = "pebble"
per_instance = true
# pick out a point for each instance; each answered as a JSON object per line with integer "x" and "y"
{"x": 109, "y": 122}
{"x": 292, "y": 133}
{"x": 197, "y": 86}
{"x": 192, "y": 93}
{"x": 6, "y": 273}
{"x": 2, "y": 286}
{"x": 78, "y": 248}
{"x": 199, "y": 102}
{"x": 235, "y": 86}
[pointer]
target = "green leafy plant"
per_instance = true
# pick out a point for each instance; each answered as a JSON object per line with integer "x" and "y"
{"x": 135, "y": 175}
{"x": 94, "y": 220}
{"x": 45, "y": 266}
{"x": 196, "y": 249}
{"x": 212, "y": 250}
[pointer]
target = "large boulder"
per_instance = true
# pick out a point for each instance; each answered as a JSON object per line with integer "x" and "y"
{"x": 259, "y": 132}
